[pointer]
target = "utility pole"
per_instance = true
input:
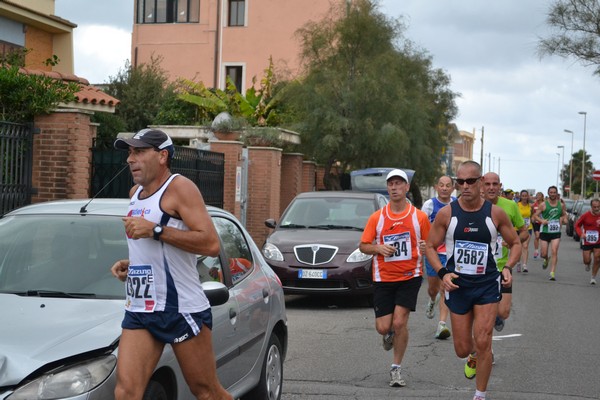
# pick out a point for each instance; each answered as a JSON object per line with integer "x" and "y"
{"x": 481, "y": 156}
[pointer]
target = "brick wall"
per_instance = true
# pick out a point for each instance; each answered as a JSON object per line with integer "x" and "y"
{"x": 62, "y": 155}
{"x": 264, "y": 181}
{"x": 233, "y": 159}
{"x": 291, "y": 179}
{"x": 309, "y": 176}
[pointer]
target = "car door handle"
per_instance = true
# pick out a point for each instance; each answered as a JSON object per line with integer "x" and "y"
{"x": 232, "y": 313}
{"x": 265, "y": 293}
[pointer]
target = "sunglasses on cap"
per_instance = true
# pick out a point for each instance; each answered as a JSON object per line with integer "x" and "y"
{"x": 469, "y": 181}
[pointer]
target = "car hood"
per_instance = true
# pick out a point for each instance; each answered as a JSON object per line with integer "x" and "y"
{"x": 286, "y": 239}
{"x": 35, "y": 331}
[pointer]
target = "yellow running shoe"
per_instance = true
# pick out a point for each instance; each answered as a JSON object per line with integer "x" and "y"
{"x": 471, "y": 367}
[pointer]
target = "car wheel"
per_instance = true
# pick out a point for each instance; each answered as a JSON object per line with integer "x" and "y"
{"x": 271, "y": 377}
{"x": 155, "y": 391}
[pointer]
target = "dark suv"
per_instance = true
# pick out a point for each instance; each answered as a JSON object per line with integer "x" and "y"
{"x": 573, "y": 215}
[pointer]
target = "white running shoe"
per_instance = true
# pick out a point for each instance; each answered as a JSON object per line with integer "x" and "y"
{"x": 593, "y": 281}
{"x": 396, "y": 377}
{"x": 430, "y": 310}
{"x": 442, "y": 331}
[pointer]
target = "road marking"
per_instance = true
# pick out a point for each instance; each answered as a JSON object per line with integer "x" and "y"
{"x": 506, "y": 336}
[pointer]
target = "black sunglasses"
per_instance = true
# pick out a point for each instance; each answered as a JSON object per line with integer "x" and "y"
{"x": 470, "y": 181}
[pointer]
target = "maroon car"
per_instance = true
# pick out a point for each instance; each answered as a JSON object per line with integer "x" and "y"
{"x": 314, "y": 247}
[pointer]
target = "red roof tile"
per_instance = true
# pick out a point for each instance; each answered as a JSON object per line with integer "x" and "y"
{"x": 87, "y": 94}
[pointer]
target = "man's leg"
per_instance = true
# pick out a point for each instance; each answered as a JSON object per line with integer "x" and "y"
{"x": 587, "y": 259}
{"x": 433, "y": 289}
{"x": 483, "y": 322}
{"x": 400, "y": 327}
{"x": 596, "y": 266}
{"x": 462, "y": 331}
{"x": 505, "y": 305}
{"x": 197, "y": 361}
{"x": 554, "y": 244}
{"x": 139, "y": 353}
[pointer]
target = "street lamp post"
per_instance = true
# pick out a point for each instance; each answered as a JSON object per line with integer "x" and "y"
{"x": 557, "y": 168}
{"x": 584, "y": 113}
{"x": 571, "y": 164}
{"x": 563, "y": 163}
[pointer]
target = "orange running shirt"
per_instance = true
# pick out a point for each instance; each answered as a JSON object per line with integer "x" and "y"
{"x": 402, "y": 231}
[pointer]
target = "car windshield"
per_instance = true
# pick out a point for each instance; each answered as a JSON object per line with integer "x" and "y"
{"x": 328, "y": 213}
{"x": 61, "y": 255}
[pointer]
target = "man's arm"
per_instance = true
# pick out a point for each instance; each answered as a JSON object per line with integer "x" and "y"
{"x": 437, "y": 234}
{"x": 512, "y": 240}
{"x": 183, "y": 200}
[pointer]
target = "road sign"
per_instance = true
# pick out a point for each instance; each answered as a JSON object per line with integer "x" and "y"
{"x": 596, "y": 175}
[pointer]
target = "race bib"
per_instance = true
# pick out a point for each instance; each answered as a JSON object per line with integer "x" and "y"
{"x": 554, "y": 226}
{"x": 526, "y": 220}
{"x": 591, "y": 236}
{"x": 470, "y": 258}
{"x": 401, "y": 242}
{"x": 141, "y": 292}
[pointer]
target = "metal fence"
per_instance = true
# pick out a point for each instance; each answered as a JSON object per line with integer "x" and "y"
{"x": 111, "y": 177}
{"x": 16, "y": 154}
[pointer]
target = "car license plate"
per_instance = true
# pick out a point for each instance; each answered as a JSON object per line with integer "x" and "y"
{"x": 312, "y": 274}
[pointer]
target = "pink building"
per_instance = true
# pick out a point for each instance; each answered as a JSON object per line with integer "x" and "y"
{"x": 207, "y": 40}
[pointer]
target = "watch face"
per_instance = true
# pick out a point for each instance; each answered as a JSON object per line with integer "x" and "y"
{"x": 158, "y": 229}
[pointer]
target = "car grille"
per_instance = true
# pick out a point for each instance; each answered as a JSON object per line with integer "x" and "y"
{"x": 315, "y": 254}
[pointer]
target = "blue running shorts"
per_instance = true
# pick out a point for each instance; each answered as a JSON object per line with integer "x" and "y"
{"x": 167, "y": 326}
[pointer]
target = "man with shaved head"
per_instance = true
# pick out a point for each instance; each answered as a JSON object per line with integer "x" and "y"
{"x": 444, "y": 188}
{"x": 492, "y": 193}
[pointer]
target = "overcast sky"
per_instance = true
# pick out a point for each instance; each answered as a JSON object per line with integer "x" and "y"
{"x": 487, "y": 47}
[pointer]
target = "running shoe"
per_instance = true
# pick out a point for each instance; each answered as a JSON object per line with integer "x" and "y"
{"x": 388, "y": 341}
{"x": 430, "y": 310}
{"x": 587, "y": 267}
{"x": 525, "y": 268}
{"x": 478, "y": 398}
{"x": 396, "y": 377}
{"x": 471, "y": 367}
{"x": 593, "y": 281}
{"x": 499, "y": 324}
{"x": 442, "y": 331}
{"x": 536, "y": 254}
{"x": 518, "y": 267}
{"x": 552, "y": 278}
{"x": 545, "y": 263}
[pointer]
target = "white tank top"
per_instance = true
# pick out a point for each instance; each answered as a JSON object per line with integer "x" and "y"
{"x": 161, "y": 277}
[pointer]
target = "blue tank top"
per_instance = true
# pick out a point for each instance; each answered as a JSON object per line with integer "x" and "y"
{"x": 437, "y": 206}
{"x": 471, "y": 244}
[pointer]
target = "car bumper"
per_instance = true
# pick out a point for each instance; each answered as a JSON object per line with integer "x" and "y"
{"x": 348, "y": 278}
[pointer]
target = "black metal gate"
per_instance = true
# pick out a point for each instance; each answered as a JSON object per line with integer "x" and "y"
{"x": 205, "y": 168}
{"x": 16, "y": 154}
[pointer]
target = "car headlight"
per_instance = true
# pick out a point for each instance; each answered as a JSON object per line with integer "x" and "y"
{"x": 271, "y": 252}
{"x": 68, "y": 381}
{"x": 358, "y": 256}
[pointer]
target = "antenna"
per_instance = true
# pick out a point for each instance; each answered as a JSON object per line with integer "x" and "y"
{"x": 83, "y": 209}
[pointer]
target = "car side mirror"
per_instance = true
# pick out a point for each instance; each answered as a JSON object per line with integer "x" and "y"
{"x": 216, "y": 292}
{"x": 270, "y": 223}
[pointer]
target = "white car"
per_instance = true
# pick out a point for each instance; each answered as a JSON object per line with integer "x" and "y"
{"x": 61, "y": 309}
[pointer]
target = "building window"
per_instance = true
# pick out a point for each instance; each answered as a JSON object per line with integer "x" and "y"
{"x": 237, "y": 12}
{"x": 167, "y": 11}
{"x": 235, "y": 73}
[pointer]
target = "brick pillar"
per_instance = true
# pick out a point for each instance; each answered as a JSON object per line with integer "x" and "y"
{"x": 291, "y": 179}
{"x": 320, "y": 176}
{"x": 62, "y": 155}
{"x": 309, "y": 177}
{"x": 264, "y": 182}
{"x": 232, "y": 182}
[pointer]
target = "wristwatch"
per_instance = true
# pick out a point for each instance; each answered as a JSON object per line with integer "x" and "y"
{"x": 157, "y": 230}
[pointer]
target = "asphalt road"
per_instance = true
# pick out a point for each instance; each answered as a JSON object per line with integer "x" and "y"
{"x": 549, "y": 348}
